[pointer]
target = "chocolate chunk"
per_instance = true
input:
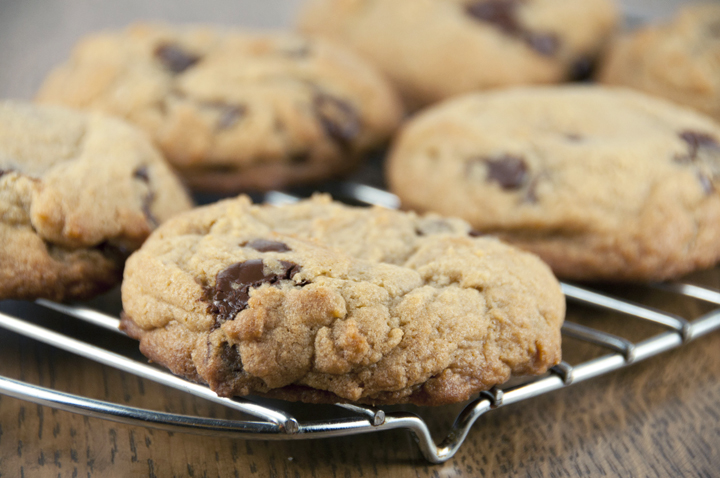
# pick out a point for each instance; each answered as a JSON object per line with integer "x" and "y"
{"x": 582, "y": 69}
{"x": 174, "y": 58}
{"x": 508, "y": 171}
{"x": 264, "y": 245}
{"x": 501, "y": 13}
{"x": 229, "y": 115}
{"x": 339, "y": 118}
{"x": 697, "y": 141}
{"x": 546, "y": 44}
{"x": 141, "y": 173}
{"x": 706, "y": 183}
{"x": 3, "y": 171}
{"x": 230, "y": 356}
{"x": 147, "y": 202}
{"x": 474, "y": 233}
{"x": 231, "y": 292}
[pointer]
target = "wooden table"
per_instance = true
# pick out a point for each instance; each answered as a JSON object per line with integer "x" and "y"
{"x": 657, "y": 418}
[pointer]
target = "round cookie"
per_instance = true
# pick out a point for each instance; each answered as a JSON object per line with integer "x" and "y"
{"x": 601, "y": 183}
{"x": 233, "y": 110}
{"x": 433, "y": 49}
{"x": 677, "y": 60}
{"x": 321, "y": 302}
{"x": 78, "y": 193}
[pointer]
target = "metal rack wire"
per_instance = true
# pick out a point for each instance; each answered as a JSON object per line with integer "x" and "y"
{"x": 276, "y": 424}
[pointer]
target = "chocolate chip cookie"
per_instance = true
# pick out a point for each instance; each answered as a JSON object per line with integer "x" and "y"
{"x": 233, "y": 110}
{"x": 601, "y": 183}
{"x": 78, "y": 193}
{"x": 677, "y": 60}
{"x": 433, "y": 49}
{"x": 321, "y": 302}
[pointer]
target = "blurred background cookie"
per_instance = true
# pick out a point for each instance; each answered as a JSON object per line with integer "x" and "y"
{"x": 233, "y": 110}
{"x": 678, "y": 60}
{"x": 78, "y": 193}
{"x": 433, "y": 49}
{"x": 601, "y": 183}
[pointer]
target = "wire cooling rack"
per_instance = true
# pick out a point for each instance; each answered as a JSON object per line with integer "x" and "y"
{"x": 273, "y": 423}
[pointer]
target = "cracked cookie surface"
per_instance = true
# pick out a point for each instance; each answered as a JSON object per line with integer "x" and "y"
{"x": 78, "y": 193}
{"x": 321, "y": 302}
{"x": 433, "y": 49}
{"x": 601, "y": 183}
{"x": 233, "y": 110}
{"x": 678, "y": 60}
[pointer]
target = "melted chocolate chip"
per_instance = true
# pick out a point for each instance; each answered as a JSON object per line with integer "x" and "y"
{"x": 231, "y": 292}
{"x": 582, "y": 69}
{"x": 3, "y": 171}
{"x": 501, "y": 13}
{"x": 546, "y": 44}
{"x": 697, "y": 141}
{"x": 264, "y": 245}
{"x": 339, "y": 118}
{"x": 141, "y": 173}
{"x": 230, "y": 356}
{"x": 174, "y": 58}
{"x": 510, "y": 172}
{"x": 706, "y": 183}
{"x": 229, "y": 115}
{"x": 474, "y": 233}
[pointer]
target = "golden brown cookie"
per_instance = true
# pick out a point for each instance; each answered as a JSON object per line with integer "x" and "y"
{"x": 678, "y": 60}
{"x": 601, "y": 183}
{"x": 433, "y": 49}
{"x": 78, "y": 193}
{"x": 321, "y": 302}
{"x": 233, "y": 110}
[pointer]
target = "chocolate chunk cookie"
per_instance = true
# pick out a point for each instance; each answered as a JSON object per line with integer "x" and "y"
{"x": 321, "y": 302}
{"x": 601, "y": 183}
{"x": 433, "y": 49}
{"x": 677, "y": 60}
{"x": 78, "y": 193}
{"x": 233, "y": 110}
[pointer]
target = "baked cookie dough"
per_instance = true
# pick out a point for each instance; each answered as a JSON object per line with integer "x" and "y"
{"x": 78, "y": 193}
{"x": 321, "y": 302}
{"x": 601, "y": 183}
{"x": 233, "y": 110}
{"x": 678, "y": 60}
{"x": 433, "y": 49}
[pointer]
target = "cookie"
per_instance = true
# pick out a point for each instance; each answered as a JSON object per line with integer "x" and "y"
{"x": 78, "y": 193}
{"x": 433, "y": 49}
{"x": 233, "y": 110}
{"x": 677, "y": 60}
{"x": 601, "y": 183}
{"x": 321, "y": 302}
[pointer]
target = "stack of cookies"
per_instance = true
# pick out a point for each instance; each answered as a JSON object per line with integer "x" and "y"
{"x": 321, "y": 302}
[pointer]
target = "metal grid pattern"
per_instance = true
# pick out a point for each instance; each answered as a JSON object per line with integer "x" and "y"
{"x": 276, "y": 424}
